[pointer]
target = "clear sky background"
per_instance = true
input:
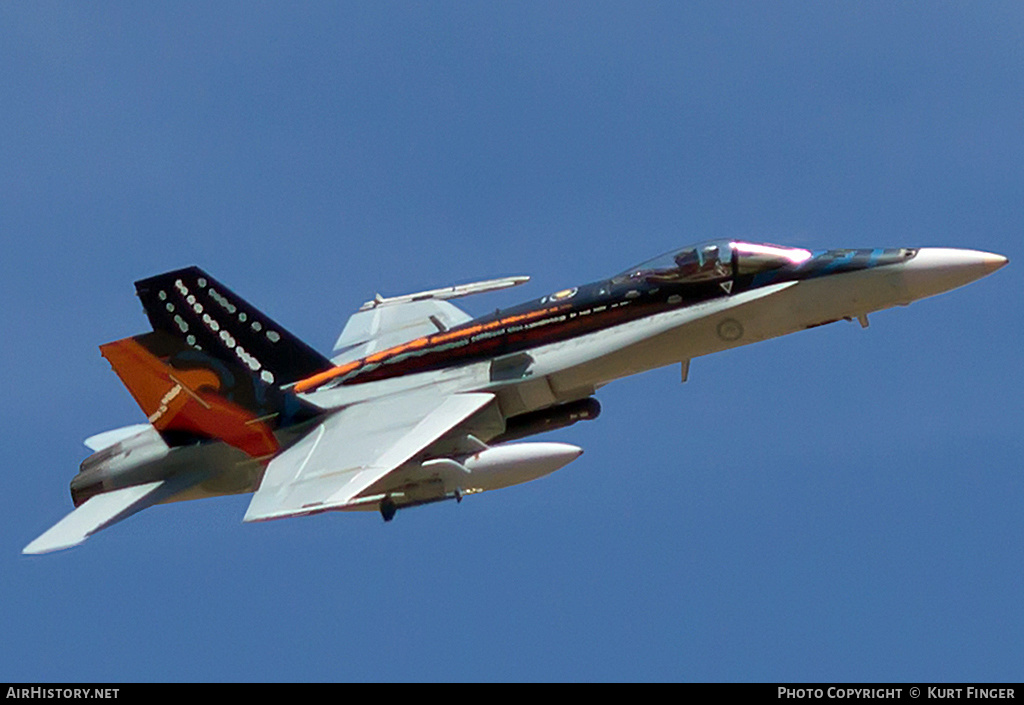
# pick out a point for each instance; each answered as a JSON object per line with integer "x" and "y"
{"x": 839, "y": 504}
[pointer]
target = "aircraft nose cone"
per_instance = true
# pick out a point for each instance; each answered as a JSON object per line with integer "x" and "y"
{"x": 937, "y": 269}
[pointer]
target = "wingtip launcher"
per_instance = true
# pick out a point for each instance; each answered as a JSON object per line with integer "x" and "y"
{"x": 448, "y": 292}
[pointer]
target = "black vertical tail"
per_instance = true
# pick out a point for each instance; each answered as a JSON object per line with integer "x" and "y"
{"x": 194, "y": 307}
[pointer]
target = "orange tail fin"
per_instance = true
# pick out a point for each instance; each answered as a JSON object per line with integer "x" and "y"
{"x": 187, "y": 400}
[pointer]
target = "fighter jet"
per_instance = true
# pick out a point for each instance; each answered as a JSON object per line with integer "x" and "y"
{"x": 420, "y": 402}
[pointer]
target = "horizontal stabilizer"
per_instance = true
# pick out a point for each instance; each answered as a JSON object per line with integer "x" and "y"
{"x": 108, "y": 438}
{"x": 106, "y": 509}
{"x": 97, "y": 513}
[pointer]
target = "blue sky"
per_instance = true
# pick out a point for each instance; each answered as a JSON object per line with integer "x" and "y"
{"x": 835, "y": 505}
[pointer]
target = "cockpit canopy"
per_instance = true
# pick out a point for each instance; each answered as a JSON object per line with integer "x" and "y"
{"x": 714, "y": 260}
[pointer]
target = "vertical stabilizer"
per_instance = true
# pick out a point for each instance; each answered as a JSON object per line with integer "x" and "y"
{"x": 192, "y": 306}
{"x": 188, "y": 395}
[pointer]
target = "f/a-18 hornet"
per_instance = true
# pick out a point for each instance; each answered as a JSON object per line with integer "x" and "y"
{"x": 421, "y": 402}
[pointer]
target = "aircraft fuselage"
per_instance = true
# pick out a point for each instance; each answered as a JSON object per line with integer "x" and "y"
{"x": 577, "y": 311}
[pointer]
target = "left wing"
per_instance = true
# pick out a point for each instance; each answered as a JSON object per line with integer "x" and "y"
{"x": 354, "y": 448}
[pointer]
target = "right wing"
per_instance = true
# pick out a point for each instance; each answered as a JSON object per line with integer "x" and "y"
{"x": 371, "y": 330}
{"x": 354, "y": 448}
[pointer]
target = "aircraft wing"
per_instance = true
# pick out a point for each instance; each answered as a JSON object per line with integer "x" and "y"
{"x": 382, "y": 323}
{"x": 354, "y": 448}
{"x": 374, "y": 329}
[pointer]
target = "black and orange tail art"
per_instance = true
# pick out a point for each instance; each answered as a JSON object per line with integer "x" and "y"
{"x": 191, "y": 306}
{"x": 189, "y": 395}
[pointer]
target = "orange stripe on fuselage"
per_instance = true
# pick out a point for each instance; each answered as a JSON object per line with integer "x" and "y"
{"x": 311, "y": 383}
